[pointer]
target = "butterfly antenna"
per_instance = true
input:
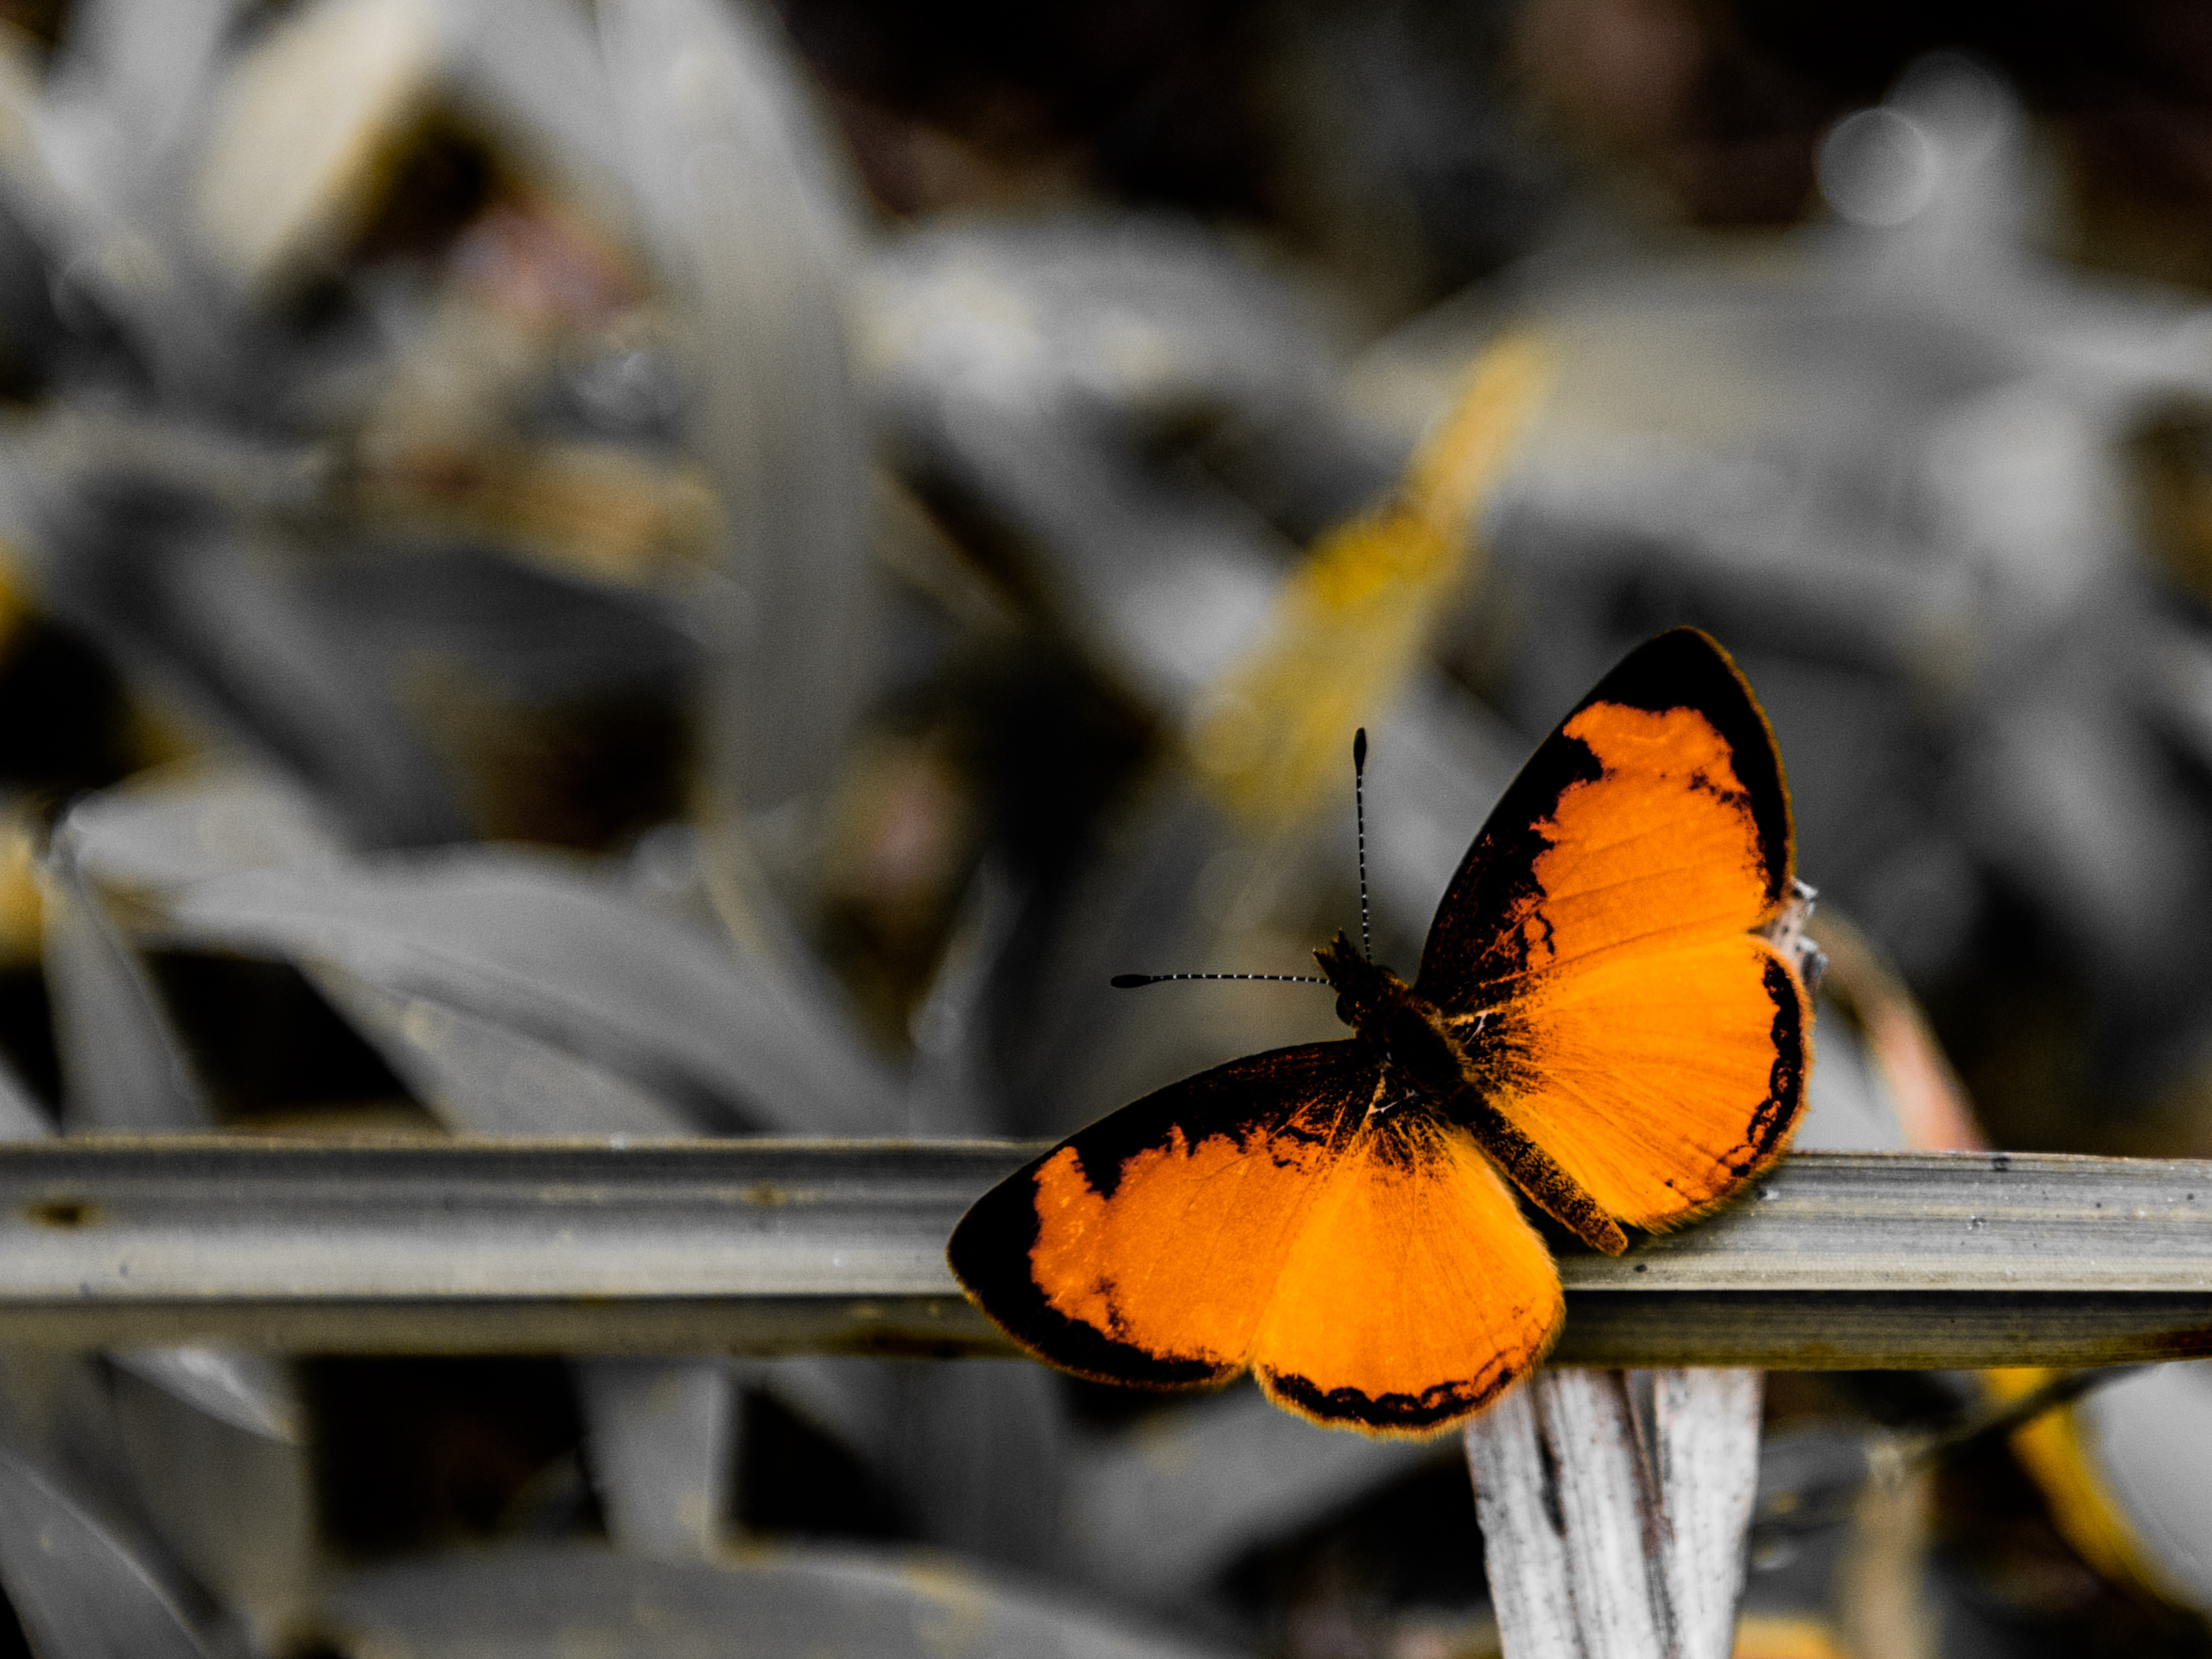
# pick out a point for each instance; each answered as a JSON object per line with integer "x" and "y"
{"x": 1359, "y": 795}
{"x": 1130, "y": 980}
{"x": 1359, "y": 809}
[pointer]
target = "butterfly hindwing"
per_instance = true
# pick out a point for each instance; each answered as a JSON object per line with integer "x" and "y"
{"x": 1415, "y": 1293}
{"x": 1660, "y": 1086}
{"x": 1371, "y": 1267}
{"x": 1600, "y": 937}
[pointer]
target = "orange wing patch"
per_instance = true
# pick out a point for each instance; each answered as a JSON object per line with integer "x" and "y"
{"x": 1415, "y": 1292}
{"x": 1659, "y": 848}
{"x": 1660, "y": 1083}
{"x": 1179, "y": 1259}
{"x": 1144, "y": 1249}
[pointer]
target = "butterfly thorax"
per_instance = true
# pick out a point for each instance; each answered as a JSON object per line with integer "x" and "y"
{"x": 1404, "y": 1026}
{"x": 1418, "y": 1048}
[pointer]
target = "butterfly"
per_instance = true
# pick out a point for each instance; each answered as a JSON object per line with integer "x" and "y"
{"x": 1599, "y": 1021}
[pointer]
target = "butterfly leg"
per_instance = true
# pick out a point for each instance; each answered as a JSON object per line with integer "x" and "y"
{"x": 1787, "y": 934}
{"x": 1557, "y": 1193}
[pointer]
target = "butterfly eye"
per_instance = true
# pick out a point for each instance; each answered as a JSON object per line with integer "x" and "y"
{"x": 1344, "y": 1009}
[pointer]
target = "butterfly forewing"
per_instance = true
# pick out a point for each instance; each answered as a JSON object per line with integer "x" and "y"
{"x": 1598, "y": 943}
{"x": 1679, "y": 686}
{"x": 1144, "y": 1249}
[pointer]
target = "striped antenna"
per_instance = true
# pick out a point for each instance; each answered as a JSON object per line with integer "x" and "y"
{"x": 1359, "y": 810}
{"x": 1130, "y": 980}
{"x": 1359, "y": 798}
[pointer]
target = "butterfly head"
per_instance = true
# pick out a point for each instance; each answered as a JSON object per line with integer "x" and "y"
{"x": 1364, "y": 990}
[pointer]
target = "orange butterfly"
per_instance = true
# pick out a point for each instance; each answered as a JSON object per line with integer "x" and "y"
{"x": 1599, "y": 1016}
